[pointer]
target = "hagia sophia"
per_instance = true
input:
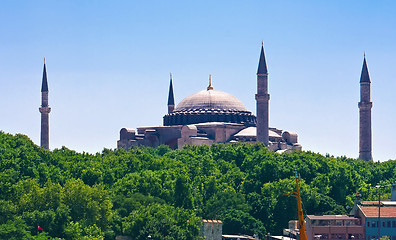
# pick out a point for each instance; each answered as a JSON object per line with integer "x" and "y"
{"x": 212, "y": 116}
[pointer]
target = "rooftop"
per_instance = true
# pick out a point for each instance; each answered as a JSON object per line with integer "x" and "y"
{"x": 372, "y": 211}
{"x": 252, "y": 131}
{"x": 375, "y": 203}
{"x": 211, "y": 221}
{"x": 330, "y": 217}
{"x": 238, "y": 237}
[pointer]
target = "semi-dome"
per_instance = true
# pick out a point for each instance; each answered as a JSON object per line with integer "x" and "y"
{"x": 209, "y": 106}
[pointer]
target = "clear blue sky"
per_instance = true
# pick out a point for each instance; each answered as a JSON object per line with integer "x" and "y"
{"x": 108, "y": 66}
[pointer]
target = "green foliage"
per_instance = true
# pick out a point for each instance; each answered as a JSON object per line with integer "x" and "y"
{"x": 14, "y": 230}
{"x": 241, "y": 222}
{"x": 161, "y": 222}
{"x": 76, "y": 231}
{"x": 165, "y": 193}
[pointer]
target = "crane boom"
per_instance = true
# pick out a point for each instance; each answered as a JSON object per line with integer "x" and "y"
{"x": 301, "y": 222}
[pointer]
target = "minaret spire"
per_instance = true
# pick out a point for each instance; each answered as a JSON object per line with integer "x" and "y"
{"x": 44, "y": 110}
{"x": 262, "y": 67}
{"x": 44, "y": 84}
{"x": 365, "y": 105}
{"x": 171, "y": 99}
{"x": 262, "y": 100}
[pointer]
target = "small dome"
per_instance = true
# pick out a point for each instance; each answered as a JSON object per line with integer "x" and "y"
{"x": 210, "y": 100}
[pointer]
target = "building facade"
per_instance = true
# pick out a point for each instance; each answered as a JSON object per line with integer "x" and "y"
{"x": 334, "y": 227}
{"x": 367, "y": 220}
{"x": 211, "y": 229}
{"x": 383, "y": 224}
{"x": 212, "y": 116}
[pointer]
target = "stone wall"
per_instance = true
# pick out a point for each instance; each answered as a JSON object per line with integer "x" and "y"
{"x": 211, "y": 229}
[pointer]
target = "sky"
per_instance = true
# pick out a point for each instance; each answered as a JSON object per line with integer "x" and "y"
{"x": 108, "y": 65}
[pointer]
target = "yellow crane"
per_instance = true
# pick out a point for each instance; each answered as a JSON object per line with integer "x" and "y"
{"x": 301, "y": 222}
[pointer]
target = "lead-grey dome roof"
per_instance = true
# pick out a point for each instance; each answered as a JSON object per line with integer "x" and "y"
{"x": 209, "y": 106}
{"x": 210, "y": 100}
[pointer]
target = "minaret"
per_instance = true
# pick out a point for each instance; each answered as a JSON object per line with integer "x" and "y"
{"x": 171, "y": 99}
{"x": 45, "y": 110}
{"x": 262, "y": 100}
{"x": 365, "y": 106}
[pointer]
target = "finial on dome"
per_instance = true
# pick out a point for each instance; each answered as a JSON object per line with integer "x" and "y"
{"x": 262, "y": 43}
{"x": 210, "y": 87}
{"x": 44, "y": 60}
{"x": 364, "y": 54}
{"x": 170, "y": 76}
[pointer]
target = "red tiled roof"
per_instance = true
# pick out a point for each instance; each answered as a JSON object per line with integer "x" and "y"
{"x": 368, "y": 203}
{"x": 372, "y": 211}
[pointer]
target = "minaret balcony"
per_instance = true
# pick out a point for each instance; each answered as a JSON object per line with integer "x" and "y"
{"x": 365, "y": 105}
{"x": 45, "y": 109}
{"x": 262, "y": 97}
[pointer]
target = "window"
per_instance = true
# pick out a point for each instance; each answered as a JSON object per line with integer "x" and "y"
{"x": 368, "y": 224}
{"x": 393, "y": 223}
{"x": 323, "y": 223}
{"x": 383, "y": 224}
{"x": 388, "y": 224}
{"x": 353, "y": 236}
{"x": 355, "y": 222}
{"x": 338, "y": 236}
{"x": 321, "y": 236}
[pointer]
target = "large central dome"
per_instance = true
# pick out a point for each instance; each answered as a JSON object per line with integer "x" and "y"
{"x": 210, "y": 100}
{"x": 209, "y": 106}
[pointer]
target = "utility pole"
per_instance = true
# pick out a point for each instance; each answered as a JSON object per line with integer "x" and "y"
{"x": 379, "y": 211}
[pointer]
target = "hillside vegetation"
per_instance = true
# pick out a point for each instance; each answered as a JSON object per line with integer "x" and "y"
{"x": 165, "y": 193}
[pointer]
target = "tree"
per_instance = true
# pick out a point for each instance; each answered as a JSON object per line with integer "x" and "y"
{"x": 162, "y": 222}
{"x": 14, "y": 230}
{"x": 183, "y": 196}
{"x": 156, "y": 190}
{"x": 240, "y": 222}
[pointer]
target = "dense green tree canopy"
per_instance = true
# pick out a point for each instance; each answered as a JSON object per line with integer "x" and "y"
{"x": 165, "y": 193}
